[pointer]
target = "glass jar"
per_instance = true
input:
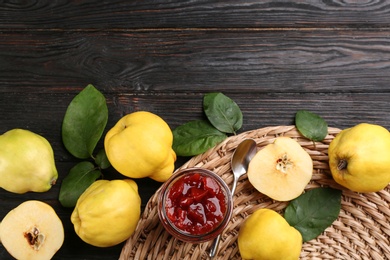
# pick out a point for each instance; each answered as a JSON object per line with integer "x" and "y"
{"x": 195, "y": 205}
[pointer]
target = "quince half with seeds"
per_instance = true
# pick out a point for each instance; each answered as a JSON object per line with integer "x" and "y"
{"x": 32, "y": 231}
{"x": 281, "y": 170}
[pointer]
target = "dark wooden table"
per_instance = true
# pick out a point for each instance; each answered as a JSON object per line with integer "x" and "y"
{"x": 271, "y": 57}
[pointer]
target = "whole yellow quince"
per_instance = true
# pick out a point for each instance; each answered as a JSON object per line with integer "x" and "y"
{"x": 359, "y": 158}
{"x": 26, "y": 162}
{"x": 107, "y": 212}
{"x": 140, "y": 145}
{"x": 266, "y": 235}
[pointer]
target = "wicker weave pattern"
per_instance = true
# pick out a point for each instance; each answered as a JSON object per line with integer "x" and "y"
{"x": 361, "y": 231}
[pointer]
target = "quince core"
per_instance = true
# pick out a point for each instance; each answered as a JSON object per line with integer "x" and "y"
{"x": 281, "y": 170}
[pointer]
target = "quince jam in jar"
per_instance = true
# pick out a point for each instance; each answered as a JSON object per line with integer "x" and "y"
{"x": 195, "y": 205}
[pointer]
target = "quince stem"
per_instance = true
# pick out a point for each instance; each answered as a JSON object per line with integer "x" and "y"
{"x": 342, "y": 164}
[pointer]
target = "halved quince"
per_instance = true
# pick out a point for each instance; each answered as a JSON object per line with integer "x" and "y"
{"x": 281, "y": 170}
{"x": 32, "y": 231}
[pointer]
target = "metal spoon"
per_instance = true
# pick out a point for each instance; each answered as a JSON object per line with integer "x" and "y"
{"x": 243, "y": 154}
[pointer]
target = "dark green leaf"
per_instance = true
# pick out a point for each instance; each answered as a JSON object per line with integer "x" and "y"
{"x": 195, "y": 137}
{"x": 311, "y": 125}
{"x": 222, "y": 112}
{"x": 80, "y": 177}
{"x": 84, "y": 122}
{"x": 314, "y": 211}
{"x": 101, "y": 160}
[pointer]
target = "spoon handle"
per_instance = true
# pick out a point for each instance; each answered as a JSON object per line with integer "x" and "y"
{"x": 215, "y": 244}
{"x": 214, "y": 247}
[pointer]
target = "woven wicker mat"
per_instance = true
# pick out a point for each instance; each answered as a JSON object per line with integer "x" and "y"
{"x": 361, "y": 231}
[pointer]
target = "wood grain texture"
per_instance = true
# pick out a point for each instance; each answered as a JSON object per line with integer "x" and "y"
{"x": 175, "y": 61}
{"x": 193, "y": 14}
{"x": 272, "y": 58}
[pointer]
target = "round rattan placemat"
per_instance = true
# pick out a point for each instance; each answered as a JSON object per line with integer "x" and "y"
{"x": 362, "y": 230}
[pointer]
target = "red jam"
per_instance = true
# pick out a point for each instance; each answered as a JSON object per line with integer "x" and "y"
{"x": 195, "y": 204}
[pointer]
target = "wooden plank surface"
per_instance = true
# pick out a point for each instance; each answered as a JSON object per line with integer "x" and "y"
{"x": 201, "y": 60}
{"x": 272, "y": 57}
{"x": 193, "y": 14}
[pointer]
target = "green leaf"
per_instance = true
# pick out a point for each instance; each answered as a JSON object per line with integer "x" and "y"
{"x": 101, "y": 160}
{"x": 84, "y": 122}
{"x": 314, "y": 211}
{"x": 195, "y": 137}
{"x": 311, "y": 125}
{"x": 222, "y": 112}
{"x": 80, "y": 177}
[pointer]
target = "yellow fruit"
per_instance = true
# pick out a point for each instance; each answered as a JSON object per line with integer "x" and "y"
{"x": 359, "y": 158}
{"x": 32, "y": 231}
{"x": 266, "y": 235}
{"x": 140, "y": 145}
{"x": 26, "y": 162}
{"x": 281, "y": 170}
{"x": 107, "y": 213}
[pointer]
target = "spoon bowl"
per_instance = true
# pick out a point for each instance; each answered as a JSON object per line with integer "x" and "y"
{"x": 243, "y": 154}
